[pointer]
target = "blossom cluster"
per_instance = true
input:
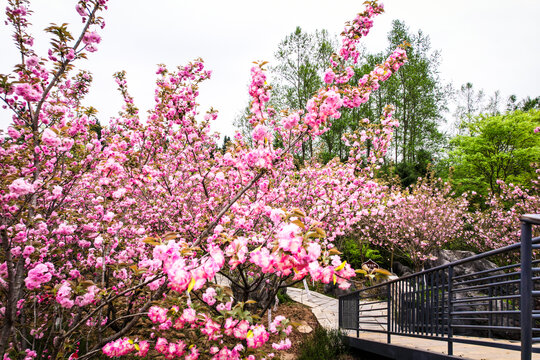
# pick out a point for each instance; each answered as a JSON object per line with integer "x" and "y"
{"x": 358, "y": 28}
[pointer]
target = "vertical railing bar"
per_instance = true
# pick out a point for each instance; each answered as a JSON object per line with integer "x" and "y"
{"x": 428, "y": 305}
{"x": 508, "y": 303}
{"x": 418, "y": 306}
{"x": 449, "y": 309}
{"x": 406, "y": 306}
{"x": 423, "y": 302}
{"x": 394, "y": 286}
{"x": 490, "y": 318}
{"x": 421, "y": 305}
{"x": 340, "y": 301}
{"x": 433, "y": 308}
{"x": 410, "y": 308}
{"x": 415, "y": 305}
{"x": 441, "y": 302}
{"x": 500, "y": 306}
{"x": 392, "y": 304}
{"x": 402, "y": 305}
{"x": 388, "y": 312}
{"x": 408, "y": 315}
{"x": 526, "y": 290}
{"x": 424, "y": 305}
{"x": 357, "y": 298}
{"x": 437, "y": 317}
{"x": 443, "y": 288}
{"x": 399, "y": 305}
{"x": 432, "y": 301}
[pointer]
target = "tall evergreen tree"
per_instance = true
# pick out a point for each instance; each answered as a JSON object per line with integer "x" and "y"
{"x": 301, "y": 59}
{"x": 420, "y": 98}
{"x": 418, "y": 94}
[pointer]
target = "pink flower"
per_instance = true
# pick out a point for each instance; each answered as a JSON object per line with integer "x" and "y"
{"x": 29, "y": 92}
{"x": 209, "y": 296}
{"x": 288, "y": 239}
{"x": 144, "y": 346}
{"x": 189, "y": 315}
{"x": 282, "y": 345}
{"x": 257, "y": 337}
{"x": 13, "y": 133}
{"x": 32, "y": 61}
{"x": 241, "y": 330}
{"x": 193, "y": 354}
{"x": 329, "y": 76}
{"x": 49, "y": 138}
{"x": 70, "y": 55}
{"x": 276, "y": 215}
{"x": 63, "y": 296}
{"x": 118, "y": 347}
{"x": 162, "y": 345}
{"x": 38, "y": 275}
{"x": 157, "y": 314}
{"x": 179, "y": 278}
{"x": 87, "y": 298}
{"x": 260, "y": 133}
{"x": 81, "y": 10}
{"x": 91, "y": 37}
{"x": 57, "y": 191}
{"x": 20, "y": 187}
{"x": 28, "y": 250}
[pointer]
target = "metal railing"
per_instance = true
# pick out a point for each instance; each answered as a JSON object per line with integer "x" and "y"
{"x": 451, "y": 304}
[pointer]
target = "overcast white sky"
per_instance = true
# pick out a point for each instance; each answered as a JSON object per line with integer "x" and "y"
{"x": 493, "y": 44}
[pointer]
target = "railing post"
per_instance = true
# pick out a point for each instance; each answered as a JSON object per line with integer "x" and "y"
{"x": 526, "y": 289}
{"x": 388, "y": 311}
{"x": 450, "y": 309}
{"x": 357, "y": 315}
{"x": 490, "y": 309}
{"x": 340, "y": 311}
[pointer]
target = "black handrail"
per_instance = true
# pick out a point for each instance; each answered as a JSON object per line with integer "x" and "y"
{"x": 437, "y": 304}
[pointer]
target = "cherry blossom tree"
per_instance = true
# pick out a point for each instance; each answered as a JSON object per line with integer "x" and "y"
{"x": 112, "y": 240}
{"x": 416, "y": 221}
{"x": 499, "y": 224}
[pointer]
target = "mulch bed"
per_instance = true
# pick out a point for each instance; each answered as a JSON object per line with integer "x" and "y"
{"x": 296, "y": 313}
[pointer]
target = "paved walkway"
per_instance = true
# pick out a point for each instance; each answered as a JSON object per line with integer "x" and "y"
{"x": 323, "y": 307}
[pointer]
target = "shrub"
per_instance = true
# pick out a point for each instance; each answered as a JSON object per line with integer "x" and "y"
{"x": 323, "y": 344}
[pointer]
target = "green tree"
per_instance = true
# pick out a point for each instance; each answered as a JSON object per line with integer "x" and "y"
{"x": 419, "y": 95}
{"x": 525, "y": 104}
{"x": 530, "y": 103}
{"x": 501, "y": 147}
{"x": 301, "y": 59}
{"x": 470, "y": 103}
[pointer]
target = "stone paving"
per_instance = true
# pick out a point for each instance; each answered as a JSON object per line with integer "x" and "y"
{"x": 323, "y": 307}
